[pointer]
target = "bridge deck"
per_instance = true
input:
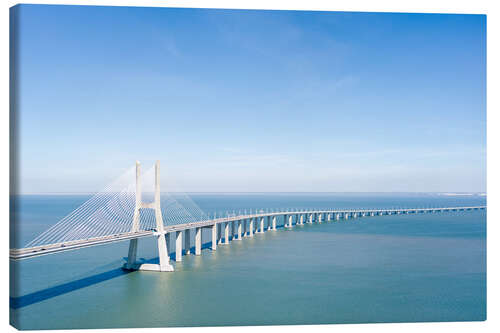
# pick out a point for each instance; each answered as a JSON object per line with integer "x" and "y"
{"x": 24, "y": 253}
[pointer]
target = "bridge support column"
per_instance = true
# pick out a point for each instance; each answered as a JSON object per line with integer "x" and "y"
{"x": 239, "y": 230}
{"x": 301, "y": 219}
{"x": 269, "y": 223}
{"x": 310, "y": 220}
{"x": 328, "y": 217}
{"x": 261, "y": 227}
{"x": 197, "y": 241}
{"x": 178, "y": 246}
{"x": 187, "y": 241}
{"x": 214, "y": 237}
{"x": 219, "y": 233}
{"x": 226, "y": 233}
{"x": 233, "y": 229}
{"x": 250, "y": 232}
{"x": 245, "y": 228}
{"x": 163, "y": 256}
{"x": 319, "y": 217}
{"x": 132, "y": 254}
{"x": 274, "y": 222}
{"x": 346, "y": 216}
{"x": 337, "y": 216}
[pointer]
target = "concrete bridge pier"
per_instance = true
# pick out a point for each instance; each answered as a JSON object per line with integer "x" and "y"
{"x": 132, "y": 254}
{"x": 187, "y": 241}
{"x": 214, "y": 237}
{"x": 329, "y": 217}
{"x": 226, "y": 233}
{"x": 274, "y": 222}
{"x": 290, "y": 221}
{"x": 245, "y": 228}
{"x": 269, "y": 223}
{"x": 310, "y": 219}
{"x": 250, "y": 234}
{"x": 319, "y": 217}
{"x": 346, "y": 216}
{"x": 239, "y": 230}
{"x": 219, "y": 233}
{"x": 178, "y": 246}
{"x": 337, "y": 216}
{"x": 197, "y": 241}
{"x": 163, "y": 256}
{"x": 261, "y": 226}
{"x": 301, "y": 220}
{"x": 233, "y": 229}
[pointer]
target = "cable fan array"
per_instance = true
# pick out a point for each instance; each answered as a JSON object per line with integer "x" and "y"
{"x": 111, "y": 211}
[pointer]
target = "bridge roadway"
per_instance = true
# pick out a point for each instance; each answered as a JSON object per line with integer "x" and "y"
{"x": 310, "y": 216}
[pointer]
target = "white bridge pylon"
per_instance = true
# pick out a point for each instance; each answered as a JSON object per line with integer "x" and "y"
{"x": 164, "y": 264}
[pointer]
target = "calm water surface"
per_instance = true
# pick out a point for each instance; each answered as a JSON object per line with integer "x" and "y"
{"x": 405, "y": 268}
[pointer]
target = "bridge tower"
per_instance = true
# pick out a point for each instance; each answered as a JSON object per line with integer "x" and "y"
{"x": 164, "y": 265}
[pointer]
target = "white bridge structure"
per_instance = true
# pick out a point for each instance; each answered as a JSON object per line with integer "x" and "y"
{"x": 114, "y": 217}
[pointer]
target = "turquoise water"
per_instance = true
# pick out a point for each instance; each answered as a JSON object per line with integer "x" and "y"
{"x": 404, "y": 268}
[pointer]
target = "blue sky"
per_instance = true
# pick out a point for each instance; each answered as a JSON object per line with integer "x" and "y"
{"x": 235, "y": 100}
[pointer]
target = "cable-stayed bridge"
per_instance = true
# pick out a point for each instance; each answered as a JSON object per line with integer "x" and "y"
{"x": 122, "y": 212}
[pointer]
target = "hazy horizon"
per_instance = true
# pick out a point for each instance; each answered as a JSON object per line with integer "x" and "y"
{"x": 323, "y": 192}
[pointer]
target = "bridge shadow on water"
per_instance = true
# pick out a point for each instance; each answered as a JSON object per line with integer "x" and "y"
{"x": 61, "y": 289}
{"x": 64, "y": 288}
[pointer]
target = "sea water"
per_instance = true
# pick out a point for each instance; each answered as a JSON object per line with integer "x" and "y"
{"x": 398, "y": 268}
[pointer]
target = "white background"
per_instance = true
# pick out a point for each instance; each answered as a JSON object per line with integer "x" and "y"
{"x": 422, "y": 6}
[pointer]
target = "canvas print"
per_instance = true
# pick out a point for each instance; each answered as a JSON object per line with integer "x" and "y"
{"x": 218, "y": 167}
